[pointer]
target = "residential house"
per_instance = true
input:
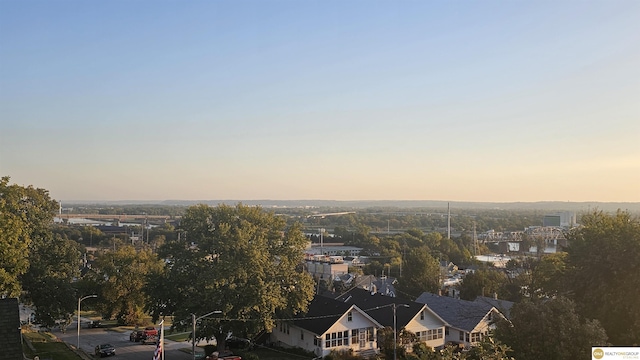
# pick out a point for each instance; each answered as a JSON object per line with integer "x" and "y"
{"x": 329, "y": 325}
{"x": 383, "y": 285}
{"x": 467, "y": 321}
{"x": 503, "y": 306}
{"x": 411, "y": 316}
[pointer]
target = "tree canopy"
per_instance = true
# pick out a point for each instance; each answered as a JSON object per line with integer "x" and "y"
{"x": 549, "y": 329}
{"x": 25, "y": 215}
{"x": 603, "y": 273}
{"x": 242, "y": 261}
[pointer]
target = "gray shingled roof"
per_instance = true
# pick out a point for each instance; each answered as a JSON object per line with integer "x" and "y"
{"x": 323, "y": 312}
{"x": 461, "y": 314}
{"x": 10, "y": 344}
{"x": 379, "y": 306}
{"x": 503, "y": 306}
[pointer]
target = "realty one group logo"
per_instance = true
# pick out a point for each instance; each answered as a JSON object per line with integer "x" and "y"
{"x": 614, "y": 352}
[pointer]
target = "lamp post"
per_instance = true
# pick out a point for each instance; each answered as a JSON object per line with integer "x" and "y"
{"x": 395, "y": 342}
{"x": 79, "y": 301}
{"x": 193, "y": 334}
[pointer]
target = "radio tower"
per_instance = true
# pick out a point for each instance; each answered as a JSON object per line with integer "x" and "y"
{"x": 448, "y": 221}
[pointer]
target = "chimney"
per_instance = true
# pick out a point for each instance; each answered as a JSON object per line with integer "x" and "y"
{"x": 495, "y": 296}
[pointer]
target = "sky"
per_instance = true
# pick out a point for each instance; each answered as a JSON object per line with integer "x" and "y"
{"x": 496, "y": 101}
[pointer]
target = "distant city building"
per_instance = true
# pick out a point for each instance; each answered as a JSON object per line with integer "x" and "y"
{"x": 561, "y": 219}
{"x": 333, "y": 249}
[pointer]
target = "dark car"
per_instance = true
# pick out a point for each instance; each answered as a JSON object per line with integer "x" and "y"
{"x": 136, "y": 335}
{"x": 105, "y": 350}
{"x": 95, "y": 324}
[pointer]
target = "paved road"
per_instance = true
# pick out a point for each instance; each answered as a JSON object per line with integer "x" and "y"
{"x": 125, "y": 349}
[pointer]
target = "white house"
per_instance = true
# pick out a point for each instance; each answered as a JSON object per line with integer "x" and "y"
{"x": 467, "y": 321}
{"x": 411, "y": 316}
{"x": 329, "y": 325}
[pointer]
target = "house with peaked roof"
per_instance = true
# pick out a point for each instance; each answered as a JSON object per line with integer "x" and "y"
{"x": 504, "y": 306}
{"x": 329, "y": 325}
{"x": 411, "y": 316}
{"x": 383, "y": 285}
{"x": 467, "y": 321}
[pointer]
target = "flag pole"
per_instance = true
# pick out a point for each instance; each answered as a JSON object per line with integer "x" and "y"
{"x": 162, "y": 336}
{"x": 158, "y": 354}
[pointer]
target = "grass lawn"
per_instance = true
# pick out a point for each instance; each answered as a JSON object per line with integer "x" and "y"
{"x": 47, "y": 348}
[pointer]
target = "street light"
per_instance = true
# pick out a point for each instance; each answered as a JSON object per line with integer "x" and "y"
{"x": 193, "y": 334}
{"x": 395, "y": 342}
{"x": 79, "y": 301}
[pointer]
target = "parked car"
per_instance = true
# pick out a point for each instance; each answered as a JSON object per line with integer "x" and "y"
{"x": 150, "y": 331}
{"x": 149, "y": 339}
{"x": 223, "y": 355}
{"x": 136, "y": 335}
{"x": 94, "y": 324}
{"x": 105, "y": 350}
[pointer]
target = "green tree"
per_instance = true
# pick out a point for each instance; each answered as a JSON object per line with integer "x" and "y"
{"x": 548, "y": 275}
{"x": 420, "y": 273}
{"x": 49, "y": 282}
{"x": 25, "y": 214}
{"x": 483, "y": 282}
{"x": 549, "y": 330}
{"x": 386, "y": 342}
{"x": 121, "y": 277}
{"x": 240, "y": 260}
{"x": 602, "y": 273}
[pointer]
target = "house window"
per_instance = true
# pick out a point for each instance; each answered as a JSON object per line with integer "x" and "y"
{"x": 315, "y": 341}
{"x": 422, "y": 315}
{"x": 467, "y": 337}
{"x": 369, "y": 334}
{"x": 461, "y": 336}
{"x": 446, "y": 331}
{"x": 476, "y": 337}
{"x": 354, "y": 336}
{"x": 349, "y": 316}
{"x": 340, "y": 338}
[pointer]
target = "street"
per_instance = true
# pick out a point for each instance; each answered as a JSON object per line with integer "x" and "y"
{"x": 125, "y": 349}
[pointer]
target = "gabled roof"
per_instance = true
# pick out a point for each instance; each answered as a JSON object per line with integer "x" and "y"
{"x": 380, "y": 307}
{"x": 323, "y": 312}
{"x": 503, "y": 306}
{"x": 384, "y": 285}
{"x": 461, "y": 314}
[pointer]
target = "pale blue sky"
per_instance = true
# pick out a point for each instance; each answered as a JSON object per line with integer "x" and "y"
{"x": 345, "y": 100}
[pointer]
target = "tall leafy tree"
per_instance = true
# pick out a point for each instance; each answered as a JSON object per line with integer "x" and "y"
{"x": 485, "y": 282}
{"x": 120, "y": 277}
{"x": 603, "y": 273}
{"x": 242, "y": 261}
{"x": 420, "y": 272}
{"x": 549, "y": 330}
{"x": 49, "y": 282}
{"x": 25, "y": 214}
{"x": 549, "y": 275}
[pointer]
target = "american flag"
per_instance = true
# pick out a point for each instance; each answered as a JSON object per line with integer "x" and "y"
{"x": 159, "y": 353}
